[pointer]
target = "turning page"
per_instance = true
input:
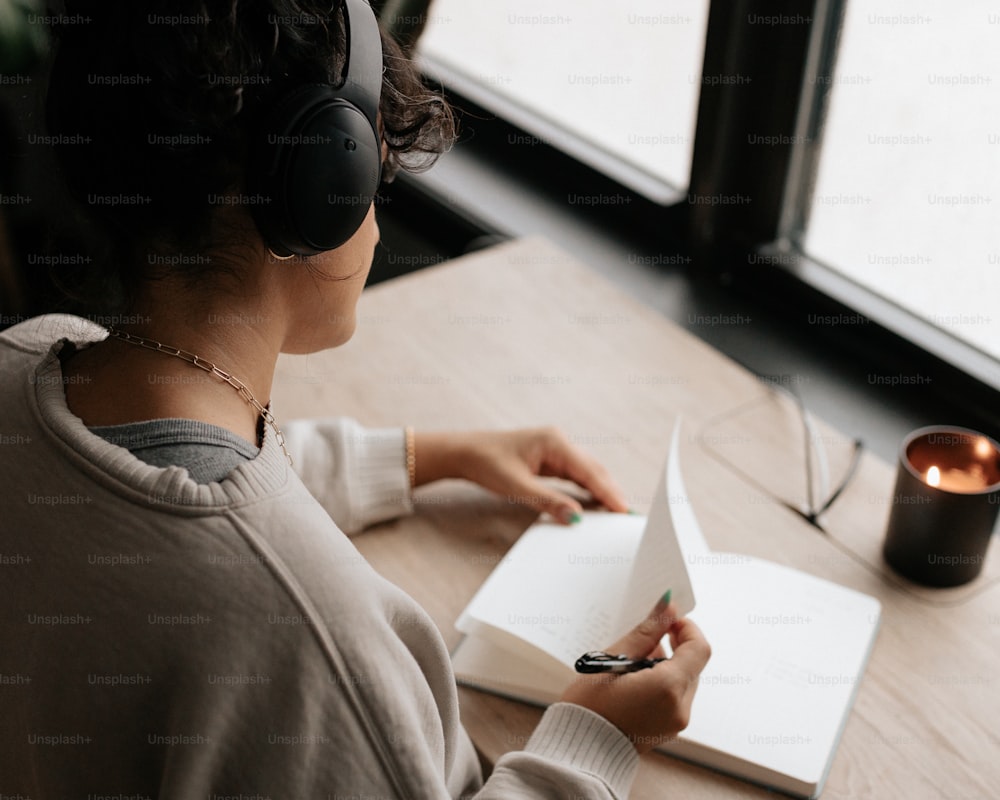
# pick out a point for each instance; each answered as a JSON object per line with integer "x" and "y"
{"x": 559, "y": 588}
{"x": 566, "y": 590}
{"x": 671, "y": 532}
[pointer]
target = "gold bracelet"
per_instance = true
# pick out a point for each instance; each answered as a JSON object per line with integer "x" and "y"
{"x": 411, "y": 456}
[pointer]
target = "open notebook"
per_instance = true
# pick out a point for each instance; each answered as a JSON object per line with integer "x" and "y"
{"x": 788, "y": 649}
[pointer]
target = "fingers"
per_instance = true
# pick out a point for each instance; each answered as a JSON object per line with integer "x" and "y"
{"x": 653, "y": 705}
{"x": 565, "y": 460}
{"x": 691, "y": 649}
{"x": 548, "y": 500}
{"x": 593, "y": 477}
{"x": 645, "y": 637}
{"x": 657, "y": 652}
{"x": 511, "y": 463}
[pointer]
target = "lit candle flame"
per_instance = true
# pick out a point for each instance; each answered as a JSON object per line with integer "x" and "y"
{"x": 934, "y": 476}
{"x": 983, "y": 447}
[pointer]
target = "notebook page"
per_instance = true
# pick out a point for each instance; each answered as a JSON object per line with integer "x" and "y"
{"x": 559, "y": 586}
{"x": 788, "y": 652}
{"x": 671, "y": 533}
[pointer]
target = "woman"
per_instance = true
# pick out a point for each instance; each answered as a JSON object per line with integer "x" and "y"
{"x": 183, "y": 617}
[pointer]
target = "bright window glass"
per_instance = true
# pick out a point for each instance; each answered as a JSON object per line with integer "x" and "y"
{"x": 623, "y": 76}
{"x": 908, "y": 188}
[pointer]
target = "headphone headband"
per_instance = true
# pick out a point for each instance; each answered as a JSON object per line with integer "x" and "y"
{"x": 362, "y": 84}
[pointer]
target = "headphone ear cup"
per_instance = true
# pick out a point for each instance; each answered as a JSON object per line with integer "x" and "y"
{"x": 332, "y": 177}
{"x": 318, "y": 169}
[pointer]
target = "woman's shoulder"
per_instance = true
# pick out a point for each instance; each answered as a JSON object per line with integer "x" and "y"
{"x": 38, "y": 334}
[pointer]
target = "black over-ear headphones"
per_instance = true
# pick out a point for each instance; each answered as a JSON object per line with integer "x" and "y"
{"x": 318, "y": 160}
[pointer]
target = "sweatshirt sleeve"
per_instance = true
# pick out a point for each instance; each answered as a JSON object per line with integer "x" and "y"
{"x": 357, "y": 474}
{"x": 572, "y": 753}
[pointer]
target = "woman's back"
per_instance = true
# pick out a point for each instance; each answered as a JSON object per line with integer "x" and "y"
{"x": 170, "y": 639}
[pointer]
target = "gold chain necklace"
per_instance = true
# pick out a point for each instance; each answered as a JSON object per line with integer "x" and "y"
{"x": 209, "y": 367}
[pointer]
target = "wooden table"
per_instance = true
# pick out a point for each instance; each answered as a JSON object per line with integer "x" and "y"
{"x": 520, "y": 335}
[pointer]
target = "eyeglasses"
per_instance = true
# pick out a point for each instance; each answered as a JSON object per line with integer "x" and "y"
{"x": 765, "y": 440}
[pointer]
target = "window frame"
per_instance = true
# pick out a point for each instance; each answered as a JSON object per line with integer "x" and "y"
{"x": 774, "y": 233}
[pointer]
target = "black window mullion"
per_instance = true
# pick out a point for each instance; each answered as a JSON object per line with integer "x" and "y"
{"x": 748, "y": 115}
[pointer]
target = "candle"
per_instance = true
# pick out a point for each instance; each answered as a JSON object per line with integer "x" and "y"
{"x": 972, "y": 479}
{"x": 945, "y": 505}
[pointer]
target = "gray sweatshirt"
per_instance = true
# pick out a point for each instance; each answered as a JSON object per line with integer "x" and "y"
{"x": 170, "y": 639}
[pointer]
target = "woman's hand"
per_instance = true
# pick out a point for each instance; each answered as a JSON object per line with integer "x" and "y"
{"x": 510, "y": 463}
{"x": 653, "y": 705}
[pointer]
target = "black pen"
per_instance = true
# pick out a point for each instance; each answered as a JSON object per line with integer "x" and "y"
{"x": 599, "y": 661}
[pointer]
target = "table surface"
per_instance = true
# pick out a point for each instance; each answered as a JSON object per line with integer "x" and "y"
{"x": 521, "y": 335}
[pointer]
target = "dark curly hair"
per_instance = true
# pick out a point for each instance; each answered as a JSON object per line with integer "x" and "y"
{"x": 151, "y": 105}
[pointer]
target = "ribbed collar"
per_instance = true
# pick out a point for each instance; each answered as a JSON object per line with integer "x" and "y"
{"x": 167, "y": 489}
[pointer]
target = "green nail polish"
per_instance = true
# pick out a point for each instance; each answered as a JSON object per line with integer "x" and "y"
{"x": 666, "y": 597}
{"x": 574, "y": 518}
{"x": 632, "y": 511}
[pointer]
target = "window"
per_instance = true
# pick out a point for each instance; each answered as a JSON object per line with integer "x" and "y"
{"x": 595, "y": 79}
{"x": 907, "y": 190}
